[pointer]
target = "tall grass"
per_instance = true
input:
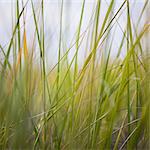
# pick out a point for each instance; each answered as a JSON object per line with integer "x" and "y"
{"x": 100, "y": 104}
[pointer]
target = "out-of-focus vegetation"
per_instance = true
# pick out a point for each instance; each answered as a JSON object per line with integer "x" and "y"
{"x": 102, "y": 104}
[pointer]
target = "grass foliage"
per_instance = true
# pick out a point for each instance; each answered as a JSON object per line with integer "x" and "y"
{"x": 102, "y": 104}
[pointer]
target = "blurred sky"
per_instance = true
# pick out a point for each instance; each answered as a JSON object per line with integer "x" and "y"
{"x": 71, "y": 15}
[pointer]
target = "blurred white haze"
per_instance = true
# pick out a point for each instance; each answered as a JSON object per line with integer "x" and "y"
{"x": 71, "y": 16}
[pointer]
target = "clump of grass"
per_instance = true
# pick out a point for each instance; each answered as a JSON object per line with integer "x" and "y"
{"x": 102, "y": 104}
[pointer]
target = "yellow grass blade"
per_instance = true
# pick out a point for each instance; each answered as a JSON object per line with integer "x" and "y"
{"x": 25, "y": 45}
{"x": 19, "y": 59}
